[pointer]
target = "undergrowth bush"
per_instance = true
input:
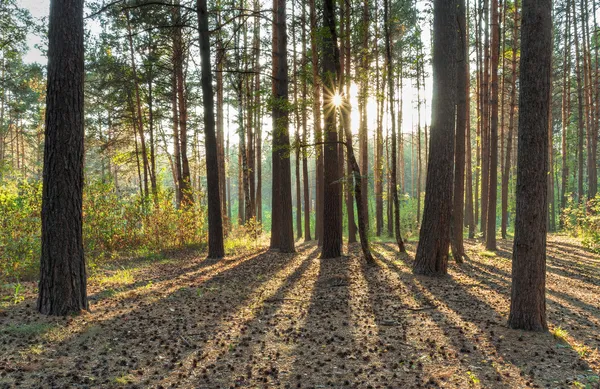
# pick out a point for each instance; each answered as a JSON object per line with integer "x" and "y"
{"x": 583, "y": 220}
{"x": 113, "y": 225}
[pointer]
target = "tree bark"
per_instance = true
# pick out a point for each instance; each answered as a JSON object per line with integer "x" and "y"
{"x": 332, "y": 231}
{"x": 62, "y": 286}
{"x": 215, "y": 221}
{"x": 511, "y": 121}
{"x": 318, "y": 132}
{"x": 490, "y": 242}
{"x": 282, "y": 227}
{"x": 528, "y": 300}
{"x": 434, "y": 238}
{"x": 390, "y": 77}
{"x": 462, "y": 117}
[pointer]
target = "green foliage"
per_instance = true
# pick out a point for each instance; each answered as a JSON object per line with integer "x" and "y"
{"x": 583, "y": 220}
{"x": 20, "y": 207}
{"x": 113, "y": 225}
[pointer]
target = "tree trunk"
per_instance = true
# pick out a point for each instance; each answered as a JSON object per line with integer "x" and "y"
{"x": 434, "y": 238}
{"x": 62, "y": 286}
{"x": 332, "y": 232}
{"x": 485, "y": 122}
{"x": 138, "y": 117}
{"x": 318, "y": 133}
{"x": 345, "y": 116}
{"x": 215, "y": 221}
{"x": 511, "y": 122}
{"x": 528, "y": 300}
{"x": 462, "y": 117}
{"x": 363, "y": 136}
{"x": 580, "y": 116}
{"x": 566, "y": 98}
{"x": 220, "y": 58}
{"x": 282, "y": 227}
{"x": 390, "y": 77}
{"x": 307, "y": 233}
{"x": 490, "y": 242}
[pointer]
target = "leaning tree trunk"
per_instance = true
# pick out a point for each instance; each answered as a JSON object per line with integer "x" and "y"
{"x": 434, "y": 238}
{"x": 528, "y": 295}
{"x": 62, "y": 286}
{"x": 215, "y": 221}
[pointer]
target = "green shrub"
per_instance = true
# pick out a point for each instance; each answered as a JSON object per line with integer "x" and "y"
{"x": 583, "y": 220}
{"x": 113, "y": 225}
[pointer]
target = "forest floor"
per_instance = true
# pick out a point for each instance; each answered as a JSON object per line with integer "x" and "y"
{"x": 265, "y": 320}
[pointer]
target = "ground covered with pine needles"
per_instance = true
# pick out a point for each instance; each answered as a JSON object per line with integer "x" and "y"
{"x": 260, "y": 319}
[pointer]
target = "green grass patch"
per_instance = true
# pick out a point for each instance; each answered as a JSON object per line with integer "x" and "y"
{"x": 35, "y": 329}
{"x": 489, "y": 254}
{"x": 119, "y": 277}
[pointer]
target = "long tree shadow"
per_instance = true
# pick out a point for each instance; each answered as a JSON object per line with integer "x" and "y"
{"x": 329, "y": 348}
{"x": 475, "y": 306}
{"x": 143, "y": 341}
{"x": 484, "y": 313}
{"x": 453, "y": 350}
{"x": 564, "y": 310}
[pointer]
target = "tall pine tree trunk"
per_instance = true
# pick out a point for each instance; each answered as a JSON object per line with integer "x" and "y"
{"x": 462, "y": 117}
{"x": 434, "y": 238}
{"x": 528, "y": 299}
{"x": 332, "y": 231}
{"x": 62, "y": 286}
{"x": 215, "y": 221}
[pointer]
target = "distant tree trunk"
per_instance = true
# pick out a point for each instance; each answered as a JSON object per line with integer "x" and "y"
{"x": 318, "y": 133}
{"x": 390, "y": 77}
{"x": 469, "y": 217}
{"x": 511, "y": 121}
{"x": 241, "y": 203}
{"x": 138, "y": 117}
{"x": 305, "y": 180}
{"x": 419, "y": 158}
{"x": 490, "y": 242}
{"x": 479, "y": 94}
{"x": 332, "y": 232}
{"x": 215, "y": 221}
{"x": 186, "y": 180}
{"x": 434, "y": 238}
{"x": 176, "y": 149}
{"x": 485, "y": 122}
{"x": 296, "y": 124}
{"x": 580, "y": 115}
{"x": 566, "y": 98}
{"x": 363, "y": 136}
{"x": 345, "y": 116}
{"x": 592, "y": 135}
{"x": 228, "y": 163}
{"x": 378, "y": 165}
{"x": 62, "y": 286}
{"x": 282, "y": 229}
{"x": 258, "y": 121}
{"x": 220, "y": 58}
{"x": 153, "y": 184}
{"x": 462, "y": 117}
{"x": 528, "y": 300}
